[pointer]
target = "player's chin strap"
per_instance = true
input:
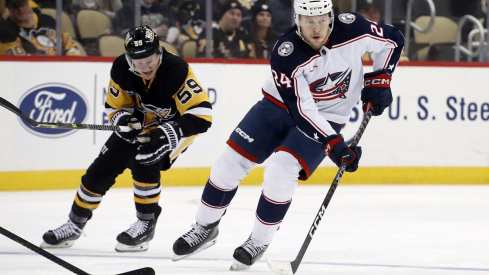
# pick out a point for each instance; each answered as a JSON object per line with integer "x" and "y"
{"x": 131, "y": 64}
{"x": 298, "y": 31}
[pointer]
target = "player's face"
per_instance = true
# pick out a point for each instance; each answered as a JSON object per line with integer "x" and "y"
{"x": 147, "y": 66}
{"x": 315, "y": 29}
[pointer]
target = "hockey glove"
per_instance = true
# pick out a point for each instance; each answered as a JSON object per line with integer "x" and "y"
{"x": 338, "y": 151}
{"x": 376, "y": 88}
{"x": 126, "y": 119}
{"x": 158, "y": 143}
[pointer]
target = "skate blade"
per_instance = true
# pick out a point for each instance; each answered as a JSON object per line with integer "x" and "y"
{"x": 132, "y": 248}
{"x": 237, "y": 266}
{"x": 205, "y": 246}
{"x": 61, "y": 245}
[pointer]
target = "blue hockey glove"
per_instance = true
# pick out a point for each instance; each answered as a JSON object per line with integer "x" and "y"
{"x": 376, "y": 89}
{"x": 123, "y": 118}
{"x": 158, "y": 143}
{"x": 338, "y": 151}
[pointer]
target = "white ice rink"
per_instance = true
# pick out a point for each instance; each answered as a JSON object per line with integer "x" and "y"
{"x": 367, "y": 229}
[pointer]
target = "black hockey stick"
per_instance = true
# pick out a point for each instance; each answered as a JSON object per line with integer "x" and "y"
{"x": 289, "y": 268}
{"x": 17, "y": 111}
{"x": 70, "y": 267}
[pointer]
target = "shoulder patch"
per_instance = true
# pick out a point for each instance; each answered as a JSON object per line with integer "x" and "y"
{"x": 286, "y": 48}
{"x": 347, "y": 18}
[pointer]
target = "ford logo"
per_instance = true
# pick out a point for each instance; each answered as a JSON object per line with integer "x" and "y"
{"x": 54, "y": 103}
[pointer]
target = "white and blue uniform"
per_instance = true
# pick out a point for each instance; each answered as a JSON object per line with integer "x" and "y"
{"x": 308, "y": 97}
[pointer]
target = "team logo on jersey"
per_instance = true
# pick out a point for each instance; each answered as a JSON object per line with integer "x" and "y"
{"x": 333, "y": 86}
{"x": 347, "y": 18}
{"x": 53, "y": 103}
{"x": 286, "y": 48}
{"x": 154, "y": 115}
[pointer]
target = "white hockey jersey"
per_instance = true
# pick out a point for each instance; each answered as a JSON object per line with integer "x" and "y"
{"x": 319, "y": 87}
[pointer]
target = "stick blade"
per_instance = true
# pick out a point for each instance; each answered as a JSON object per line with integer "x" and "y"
{"x": 141, "y": 271}
{"x": 280, "y": 267}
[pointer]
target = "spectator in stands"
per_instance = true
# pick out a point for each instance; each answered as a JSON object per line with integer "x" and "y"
{"x": 154, "y": 14}
{"x": 229, "y": 39}
{"x": 261, "y": 29}
{"x": 188, "y": 24}
{"x": 283, "y": 15}
{"x": 370, "y": 11}
{"x": 28, "y": 33}
{"x": 109, "y": 7}
{"x": 3, "y": 11}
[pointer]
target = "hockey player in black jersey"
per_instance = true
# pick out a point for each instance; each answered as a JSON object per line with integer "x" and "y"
{"x": 315, "y": 81}
{"x": 157, "y": 94}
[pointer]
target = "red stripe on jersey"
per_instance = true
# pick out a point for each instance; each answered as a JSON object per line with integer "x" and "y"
{"x": 302, "y": 113}
{"x": 241, "y": 151}
{"x": 272, "y": 201}
{"x": 218, "y": 188}
{"x": 304, "y": 165}
{"x": 266, "y": 223}
{"x": 274, "y": 100}
{"x": 211, "y": 206}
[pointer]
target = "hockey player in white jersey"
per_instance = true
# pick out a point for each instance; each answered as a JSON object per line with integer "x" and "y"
{"x": 316, "y": 79}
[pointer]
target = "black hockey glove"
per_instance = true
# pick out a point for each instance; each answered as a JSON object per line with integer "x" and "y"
{"x": 338, "y": 151}
{"x": 157, "y": 143}
{"x": 376, "y": 89}
{"x": 126, "y": 119}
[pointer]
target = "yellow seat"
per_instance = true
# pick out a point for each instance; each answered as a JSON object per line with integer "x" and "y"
{"x": 169, "y": 47}
{"x": 444, "y": 31}
{"x": 189, "y": 49}
{"x": 92, "y": 24}
{"x": 66, "y": 22}
{"x": 111, "y": 45}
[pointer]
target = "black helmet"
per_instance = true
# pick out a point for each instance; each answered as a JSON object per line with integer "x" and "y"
{"x": 141, "y": 42}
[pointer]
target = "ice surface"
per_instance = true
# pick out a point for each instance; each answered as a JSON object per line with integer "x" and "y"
{"x": 367, "y": 229}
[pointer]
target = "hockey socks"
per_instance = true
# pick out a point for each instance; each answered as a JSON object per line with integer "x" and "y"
{"x": 214, "y": 203}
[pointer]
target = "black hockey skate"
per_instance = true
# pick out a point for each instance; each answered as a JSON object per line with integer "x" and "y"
{"x": 247, "y": 254}
{"x": 137, "y": 237}
{"x": 197, "y": 239}
{"x": 63, "y": 236}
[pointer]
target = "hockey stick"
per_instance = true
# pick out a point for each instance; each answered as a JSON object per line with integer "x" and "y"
{"x": 17, "y": 111}
{"x": 70, "y": 267}
{"x": 291, "y": 267}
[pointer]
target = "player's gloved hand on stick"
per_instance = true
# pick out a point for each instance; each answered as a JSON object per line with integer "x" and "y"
{"x": 157, "y": 143}
{"x": 126, "y": 119}
{"x": 376, "y": 89}
{"x": 338, "y": 151}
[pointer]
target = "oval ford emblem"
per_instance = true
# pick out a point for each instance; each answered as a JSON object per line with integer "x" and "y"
{"x": 54, "y": 103}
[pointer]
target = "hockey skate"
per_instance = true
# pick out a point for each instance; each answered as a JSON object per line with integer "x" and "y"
{"x": 247, "y": 254}
{"x": 63, "y": 236}
{"x": 137, "y": 237}
{"x": 197, "y": 239}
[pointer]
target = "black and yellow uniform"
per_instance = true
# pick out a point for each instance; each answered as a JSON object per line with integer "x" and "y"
{"x": 225, "y": 44}
{"x": 38, "y": 39}
{"x": 173, "y": 94}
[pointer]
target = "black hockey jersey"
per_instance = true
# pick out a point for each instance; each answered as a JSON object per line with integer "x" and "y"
{"x": 173, "y": 94}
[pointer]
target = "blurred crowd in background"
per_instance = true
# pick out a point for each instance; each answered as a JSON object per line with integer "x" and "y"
{"x": 240, "y": 29}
